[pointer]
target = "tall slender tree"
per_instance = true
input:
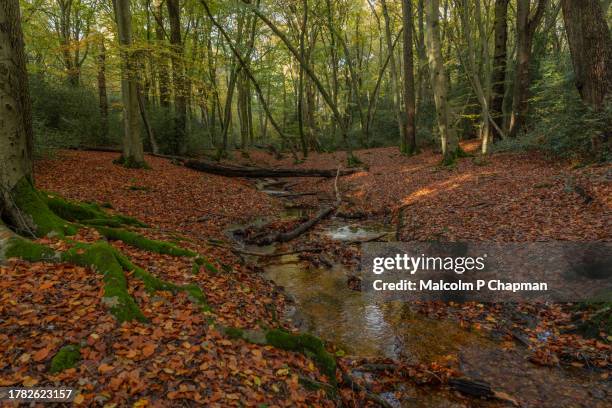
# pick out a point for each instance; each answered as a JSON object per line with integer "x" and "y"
{"x": 527, "y": 21}
{"x": 500, "y": 58}
{"x": 395, "y": 82}
{"x": 179, "y": 144}
{"x": 439, "y": 80}
{"x": 133, "y": 153}
{"x": 409, "y": 141}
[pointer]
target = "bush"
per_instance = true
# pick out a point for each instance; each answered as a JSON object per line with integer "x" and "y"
{"x": 560, "y": 124}
{"x": 66, "y": 116}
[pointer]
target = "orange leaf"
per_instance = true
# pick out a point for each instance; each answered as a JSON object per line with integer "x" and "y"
{"x": 41, "y": 354}
{"x": 46, "y": 285}
{"x": 148, "y": 350}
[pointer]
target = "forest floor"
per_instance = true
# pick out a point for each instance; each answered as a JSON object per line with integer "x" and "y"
{"x": 178, "y": 358}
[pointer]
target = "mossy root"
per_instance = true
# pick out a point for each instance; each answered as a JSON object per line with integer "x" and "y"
{"x": 102, "y": 258}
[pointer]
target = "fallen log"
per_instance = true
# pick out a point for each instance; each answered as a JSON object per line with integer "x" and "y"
{"x": 302, "y": 228}
{"x": 231, "y": 170}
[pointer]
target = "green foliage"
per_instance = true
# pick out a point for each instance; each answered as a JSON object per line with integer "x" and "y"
{"x": 67, "y": 116}
{"x": 67, "y": 357}
{"x": 561, "y": 125}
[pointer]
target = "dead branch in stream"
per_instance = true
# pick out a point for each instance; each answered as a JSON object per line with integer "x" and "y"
{"x": 305, "y": 226}
{"x": 277, "y": 254}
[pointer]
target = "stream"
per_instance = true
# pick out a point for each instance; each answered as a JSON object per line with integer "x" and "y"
{"x": 323, "y": 304}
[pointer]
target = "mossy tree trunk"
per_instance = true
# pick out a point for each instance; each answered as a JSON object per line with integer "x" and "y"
{"x": 15, "y": 116}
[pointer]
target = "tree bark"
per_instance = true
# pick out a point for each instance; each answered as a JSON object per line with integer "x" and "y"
{"x": 397, "y": 100}
{"x": 102, "y": 96}
{"x": 179, "y": 144}
{"x": 589, "y": 41}
{"x": 15, "y": 114}
{"x": 409, "y": 141}
{"x": 500, "y": 58}
{"x": 162, "y": 60}
{"x": 133, "y": 153}
{"x": 525, "y": 28}
{"x": 439, "y": 81}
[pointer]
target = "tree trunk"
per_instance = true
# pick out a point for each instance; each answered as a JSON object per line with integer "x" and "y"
{"x": 589, "y": 41}
{"x": 397, "y": 101}
{"x": 162, "y": 60}
{"x": 409, "y": 140}
{"x": 500, "y": 58}
{"x": 133, "y": 154}
{"x": 179, "y": 145}
{"x": 525, "y": 28}
{"x": 15, "y": 115}
{"x": 102, "y": 97}
{"x": 439, "y": 81}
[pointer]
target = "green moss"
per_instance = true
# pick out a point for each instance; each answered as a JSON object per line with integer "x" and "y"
{"x": 30, "y": 251}
{"x": 154, "y": 284}
{"x": 305, "y": 343}
{"x": 131, "y": 163}
{"x": 234, "y": 333}
{"x": 102, "y": 258}
{"x": 353, "y": 161}
{"x": 34, "y": 206}
{"x": 66, "y": 357}
{"x": 200, "y": 261}
{"x": 138, "y": 241}
{"x": 86, "y": 213}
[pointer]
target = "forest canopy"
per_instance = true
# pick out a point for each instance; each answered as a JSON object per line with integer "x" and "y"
{"x": 209, "y": 76}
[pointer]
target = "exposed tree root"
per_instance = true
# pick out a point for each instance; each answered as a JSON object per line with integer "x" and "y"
{"x": 46, "y": 214}
{"x": 304, "y": 343}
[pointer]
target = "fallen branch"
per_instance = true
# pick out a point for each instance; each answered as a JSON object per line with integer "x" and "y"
{"x": 286, "y": 194}
{"x": 277, "y": 254}
{"x": 305, "y": 226}
{"x": 231, "y": 170}
{"x": 302, "y": 228}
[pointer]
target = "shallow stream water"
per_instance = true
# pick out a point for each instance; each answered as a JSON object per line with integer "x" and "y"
{"x": 324, "y": 305}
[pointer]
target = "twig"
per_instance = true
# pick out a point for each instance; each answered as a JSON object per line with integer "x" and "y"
{"x": 348, "y": 380}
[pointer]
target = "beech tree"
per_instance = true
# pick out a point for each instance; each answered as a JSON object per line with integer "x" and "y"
{"x": 133, "y": 153}
{"x": 408, "y": 145}
{"x": 527, "y": 20}
{"x": 179, "y": 145}
{"x": 439, "y": 81}
{"x": 15, "y": 118}
{"x": 500, "y": 58}
{"x": 590, "y": 45}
